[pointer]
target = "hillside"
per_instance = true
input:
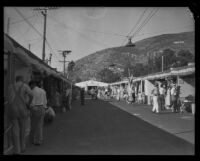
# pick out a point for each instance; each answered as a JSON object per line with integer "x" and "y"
{"x": 90, "y": 65}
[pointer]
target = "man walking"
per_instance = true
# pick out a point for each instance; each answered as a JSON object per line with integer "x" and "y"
{"x": 18, "y": 112}
{"x": 38, "y": 105}
{"x": 155, "y": 93}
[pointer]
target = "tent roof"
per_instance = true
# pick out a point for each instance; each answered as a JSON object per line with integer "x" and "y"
{"x": 91, "y": 83}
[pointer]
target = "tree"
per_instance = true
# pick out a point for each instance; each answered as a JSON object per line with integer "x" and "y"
{"x": 78, "y": 79}
{"x": 169, "y": 58}
{"x": 108, "y": 76}
{"x": 71, "y": 66}
{"x": 70, "y": 69}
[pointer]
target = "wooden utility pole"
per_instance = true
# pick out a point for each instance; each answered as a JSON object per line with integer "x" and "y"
{"x": 44, "y": 13}
{"x": 29, "y": 47}
{"x": 64, "y": 54}
{"x": 162, "y": 63}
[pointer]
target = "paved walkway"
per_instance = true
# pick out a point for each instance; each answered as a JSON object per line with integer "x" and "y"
{"x": 181, "y": 125}
{"x": 101, "y": 128}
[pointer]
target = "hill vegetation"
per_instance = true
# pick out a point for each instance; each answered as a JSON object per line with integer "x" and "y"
{"x": 112, "y": 64}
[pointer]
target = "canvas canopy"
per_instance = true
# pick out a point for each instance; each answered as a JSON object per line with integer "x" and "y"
{"x": 28, "y": 58}
{"x": 91, "y": 83}
{"x": 121, "y": 82}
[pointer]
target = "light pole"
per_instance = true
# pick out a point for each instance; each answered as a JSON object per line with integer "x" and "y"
{"x": 162, "y": 63}
{"x": 44, "y": 13}
{"x": 64, "y": 54}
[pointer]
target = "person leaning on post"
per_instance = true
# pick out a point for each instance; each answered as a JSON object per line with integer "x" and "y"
{"x": 18, "y": 112}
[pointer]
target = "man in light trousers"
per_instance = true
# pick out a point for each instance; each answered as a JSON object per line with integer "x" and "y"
{"x": 155, "y": 93}
{"x": 38, "y": 106}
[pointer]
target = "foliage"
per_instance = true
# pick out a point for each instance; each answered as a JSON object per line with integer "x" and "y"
{"x": 71, "y": 66}
{"x": 108, "y": 76}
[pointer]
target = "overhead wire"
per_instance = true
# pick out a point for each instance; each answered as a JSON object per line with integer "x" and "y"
{"x": 136, "y": 24}
{"x": 138, "y": 21}
{"x": 75, "y": 30}
{"x": 27, "y": 18}
{"x": 32, "y": 27}
{"x": 145, "y": 22}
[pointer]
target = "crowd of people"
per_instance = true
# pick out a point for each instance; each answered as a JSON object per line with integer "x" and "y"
{"x": 164, "y": 96}
{"x": 29, "y": 102}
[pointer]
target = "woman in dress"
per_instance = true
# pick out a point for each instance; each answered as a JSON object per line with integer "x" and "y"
{"x": 168, "y": 98}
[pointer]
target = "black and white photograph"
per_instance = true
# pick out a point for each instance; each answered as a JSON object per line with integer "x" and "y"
{"x": 99, "y": 80}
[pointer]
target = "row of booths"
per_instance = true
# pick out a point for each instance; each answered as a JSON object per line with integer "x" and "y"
{"x": 182, "y": 76}
{"x": 20, "y": 61}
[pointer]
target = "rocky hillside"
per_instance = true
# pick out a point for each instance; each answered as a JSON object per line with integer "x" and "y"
{"x": 89, "y": 66}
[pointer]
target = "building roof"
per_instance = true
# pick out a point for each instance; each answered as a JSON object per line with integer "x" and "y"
{"x": 10, "y": 45}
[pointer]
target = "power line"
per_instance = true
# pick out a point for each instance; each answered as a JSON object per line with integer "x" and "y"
{"x": 136, "y": 24}
{"x": 140, "y": 18}
{"x": 75, "y": 30}
{"x": 30, "y": 17}
{"x": 147, "y": 19}
{"x": 145, "y": 22}
{"x": 31, "y": 26}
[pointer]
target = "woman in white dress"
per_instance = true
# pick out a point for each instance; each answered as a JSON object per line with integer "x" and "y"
{"x": 118, "y": 94}
{"x": 168, "y": 98}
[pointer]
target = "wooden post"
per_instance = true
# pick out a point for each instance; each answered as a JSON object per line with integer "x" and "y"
{"x": 44, "y": 34}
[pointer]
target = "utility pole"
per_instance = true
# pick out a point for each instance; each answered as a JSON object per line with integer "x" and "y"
{"x": 8, "y": 25}
{"x": 29, "y": 47}
{"x": 162, "y": 63}
{"x": 64, "y": 54}
{"x": 44, "y": 13}
{"x": 48, "y": 61}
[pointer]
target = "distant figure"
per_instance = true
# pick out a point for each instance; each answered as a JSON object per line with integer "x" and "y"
{"x": 133, "y": 94}
{"x": 155, "y": 93}
{"x": 162, "y": 97}
{"x": 168, "y": 98}
{"x": 92, "y": 92}
{"x": 174, "y": 98}
{"x": 82, "y": 96}
{"x": 118, "y": 93}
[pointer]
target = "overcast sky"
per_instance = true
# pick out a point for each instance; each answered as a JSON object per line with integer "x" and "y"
{"x": 85, "y": 30}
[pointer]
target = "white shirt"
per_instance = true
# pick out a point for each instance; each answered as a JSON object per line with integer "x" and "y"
{"x": 162, "y": 90}
{"x": 173, "y": 91}
{"x": 39, "y": 97}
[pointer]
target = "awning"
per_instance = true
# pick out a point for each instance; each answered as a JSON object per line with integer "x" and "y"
{"x": 28, "y": 58}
